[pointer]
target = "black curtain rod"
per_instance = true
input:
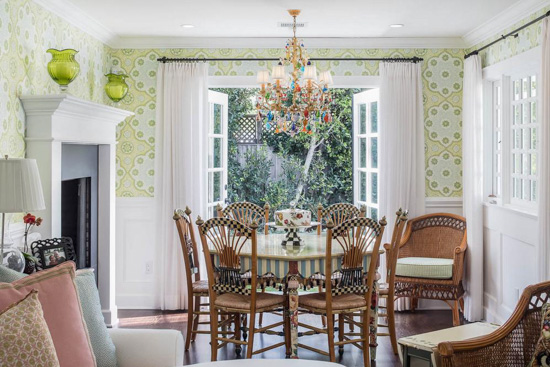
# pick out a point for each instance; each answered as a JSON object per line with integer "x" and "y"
{"x": 514, "y": 33}
{"x": 388, "y": 59}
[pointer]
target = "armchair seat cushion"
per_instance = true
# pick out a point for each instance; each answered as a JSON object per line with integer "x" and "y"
{"x": 424, "y": 267}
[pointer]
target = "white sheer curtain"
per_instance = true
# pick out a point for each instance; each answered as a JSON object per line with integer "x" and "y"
{"x": 472, "y": 178}
{"x": 180, "y": 162}
{"x": 402, "y": 171}
{"x": 544, "y": 143}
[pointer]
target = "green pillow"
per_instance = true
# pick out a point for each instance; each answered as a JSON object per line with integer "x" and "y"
{"x": 102, "y": 344}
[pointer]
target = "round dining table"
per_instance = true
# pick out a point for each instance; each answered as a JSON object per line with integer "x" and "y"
{"x": 298, "y": 263}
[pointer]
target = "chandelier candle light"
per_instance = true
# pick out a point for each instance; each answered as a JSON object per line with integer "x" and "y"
{"x": 298, "y": 102}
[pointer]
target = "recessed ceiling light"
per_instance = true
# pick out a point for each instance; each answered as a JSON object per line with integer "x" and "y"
{"x": 187, "y": 26}
{"x": 397, "y": 25}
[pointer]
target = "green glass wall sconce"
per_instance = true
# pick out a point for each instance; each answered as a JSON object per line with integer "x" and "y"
{"x": 116, "y": 87}
{"x": 63, "y": 67}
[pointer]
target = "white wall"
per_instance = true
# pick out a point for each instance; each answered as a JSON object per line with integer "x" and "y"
{"x": 135, "y": 253}
{"x": 510, "y": 259}
{"x": 135, "y": 250}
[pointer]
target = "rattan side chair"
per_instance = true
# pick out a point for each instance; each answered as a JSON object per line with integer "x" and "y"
{"x": 511, "y": 345}
{"x": 430, "y": 262}
{"x": 230, "y": 293}
{"x": 196, "y": 288}
{"x": 387, "y": 289}
{"x": 352, "y": 290}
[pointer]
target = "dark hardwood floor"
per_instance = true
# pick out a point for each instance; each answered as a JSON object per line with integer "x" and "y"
{"x": 408, "y": 323}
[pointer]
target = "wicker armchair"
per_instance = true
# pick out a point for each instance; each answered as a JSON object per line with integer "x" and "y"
{"x": 433, "y": 237}
{"x": 511, "y": 345}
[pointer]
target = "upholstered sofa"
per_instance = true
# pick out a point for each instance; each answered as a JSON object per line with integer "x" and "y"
{"x": 148, "y": 347}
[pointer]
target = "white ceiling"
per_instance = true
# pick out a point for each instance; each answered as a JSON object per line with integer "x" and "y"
{"x": 324, "y": 18}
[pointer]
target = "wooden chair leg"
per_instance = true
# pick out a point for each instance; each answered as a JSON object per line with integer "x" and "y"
{"x": 390, "y": 310}
{"x": 190, "y": 323}
{"x": 238, "y": 347}
{"x": 414, "y": 303}
{"x": 456, "y": 314}
{"x": 214, "y": 332}
{"x": 261, "y": 318}
{"x": 330, "y": 335}
{"x": 341, "y": 325}
{"x": 251, "y": 332}
{"x": 365, "y": 335}
{"x": 286, "y": 328}
{"x": 196, "y": 318}
{"x": 461, "y": 303}
{"x": 323, "y": 317}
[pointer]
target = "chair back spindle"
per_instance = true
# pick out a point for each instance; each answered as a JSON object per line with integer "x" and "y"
{"x": 188, "y": 243}
{"x": 337, "y": 213}
{"x": 246, "y": 213}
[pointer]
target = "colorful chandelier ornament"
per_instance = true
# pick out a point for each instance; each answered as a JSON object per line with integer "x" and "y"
{"x": 298, "y": 102}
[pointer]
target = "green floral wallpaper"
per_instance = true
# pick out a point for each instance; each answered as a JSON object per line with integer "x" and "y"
{"x": 26, "y": 32}
{"x": 442, "y": 72}
{"x": 527, "y": 39}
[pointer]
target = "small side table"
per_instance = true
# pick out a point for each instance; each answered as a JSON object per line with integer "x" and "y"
{"x": 420, "y": 348}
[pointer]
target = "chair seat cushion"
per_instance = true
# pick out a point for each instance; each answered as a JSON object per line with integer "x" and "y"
{"x": 200, "y": 286}
{"x": 424, "y": 267}
{"x": 242, "y": 302}
{"x": 342, "y": 302}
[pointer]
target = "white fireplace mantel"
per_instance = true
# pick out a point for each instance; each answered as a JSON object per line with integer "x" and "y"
{"x": 54, "y": 120}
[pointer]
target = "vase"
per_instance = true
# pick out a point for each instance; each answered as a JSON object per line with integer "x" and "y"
{"x": 63, "y": 67}
{"x": 13, "y": 258}
{"x": 116, "y": 87}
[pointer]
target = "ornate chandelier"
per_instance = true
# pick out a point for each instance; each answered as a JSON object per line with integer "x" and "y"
{"x": 297, "y": 102}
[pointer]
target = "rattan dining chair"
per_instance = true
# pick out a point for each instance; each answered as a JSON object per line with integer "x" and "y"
{"x": 511, "y": 345}
{"x": 246, "y": 213}
{"x": 196, "y": 288}
{"x": 229, "y": 292}
{"x": 350, "y": 291}
{"x": 430, "y": 262}
{"x": 338, "y": 214}
{"x": 387, "y": 289}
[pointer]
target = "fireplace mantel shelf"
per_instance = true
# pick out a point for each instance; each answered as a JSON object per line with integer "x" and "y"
{"x": 56, "y": 120}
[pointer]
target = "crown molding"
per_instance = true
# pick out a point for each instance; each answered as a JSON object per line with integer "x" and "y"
{"x": 505, "y": 19}
{"x": 277, "y": 42}
{"x": 78, "y": 18}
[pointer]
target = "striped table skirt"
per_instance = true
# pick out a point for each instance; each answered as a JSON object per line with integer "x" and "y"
{"x": 280, "y": 268}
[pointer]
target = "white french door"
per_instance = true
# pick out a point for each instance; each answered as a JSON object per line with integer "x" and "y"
{"x": 365, "y": 151}
{"x": 217, "y": 151}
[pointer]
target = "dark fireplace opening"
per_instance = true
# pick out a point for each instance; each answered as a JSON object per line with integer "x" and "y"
{"x": 76, "y": 213}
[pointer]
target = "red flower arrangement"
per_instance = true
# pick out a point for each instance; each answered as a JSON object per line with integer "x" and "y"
{"x": 30, "y": 221}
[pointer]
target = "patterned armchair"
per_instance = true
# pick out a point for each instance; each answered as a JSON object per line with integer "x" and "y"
{"x": 512, "y": 345}
{"x": 430, "y": 263}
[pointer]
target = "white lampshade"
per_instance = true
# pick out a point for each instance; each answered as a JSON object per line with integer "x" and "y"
{"x": 263, "y": 77}
{"x": 310, "y": 72}
{"x": 278, "y": 73}
{"x": 325, "y": 78}
{"x": 20, "y": 186}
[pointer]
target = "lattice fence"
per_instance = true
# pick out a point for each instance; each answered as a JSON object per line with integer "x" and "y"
{"x": 249, "y": 130}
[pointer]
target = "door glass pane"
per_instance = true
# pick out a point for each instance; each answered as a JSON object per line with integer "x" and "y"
{"x": 517, "y": 139}
{"x": 526, "y": 138}
{"x": 362, "y": 152}
{"x": 517, "y": 89}
{"x": 533, "y": 86}
{"x": 526, "y": 163}
{"x": 374, "y": 117}
{"x": 363, "y": 186}
{"x": 362, "y": 118}
{"x": 217, "y": 186}
{"x": 218, "y": 118}
{"x": 534, "y": 164}
{"x": 217, "y": 153}
{"x": 534, "y": 138}
{"x": 533, "y": 190}
{"x": 526, "y": 88}
{"x": 374, "y": 188}
{"x": 533, "y": 112}
{"x": 374, "y": 152}
{"x": 517, "y": 163}
{"x": 526, "y": 188}
{"x": 517, "y": 188}
{"x": 526, "y": 113}
{"x": 498, "y": 118}
{"x": 373, "y": 214}
{"x": 517, "y": 114}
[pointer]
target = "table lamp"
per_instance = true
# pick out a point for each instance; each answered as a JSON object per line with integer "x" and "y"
{"x": 20, "y": 190}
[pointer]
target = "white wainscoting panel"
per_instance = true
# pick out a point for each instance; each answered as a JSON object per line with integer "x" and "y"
{"x": 135, "y": 253}
{"x": 510, "y": 259}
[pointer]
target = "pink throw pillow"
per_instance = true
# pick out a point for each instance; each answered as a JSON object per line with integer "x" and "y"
{"x": 59, "y": 299}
